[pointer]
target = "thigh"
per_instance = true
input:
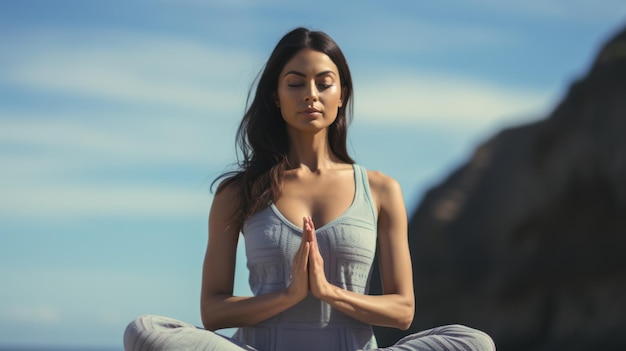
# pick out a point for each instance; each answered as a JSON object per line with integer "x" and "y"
{"x": 454, "y": 337}
{"x": 157, "y": 333}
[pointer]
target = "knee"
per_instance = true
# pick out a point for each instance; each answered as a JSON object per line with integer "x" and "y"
{"x": 139, "y": 333}
{"x": 133, "y": 332}
{"x": 478, "y": 338}
{"x": 146, "y": 331}
{"x": 484, "y": 341}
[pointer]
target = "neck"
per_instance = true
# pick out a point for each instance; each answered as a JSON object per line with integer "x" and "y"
{"x": 311, "y": 151}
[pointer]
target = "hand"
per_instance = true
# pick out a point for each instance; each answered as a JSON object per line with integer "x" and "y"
{"x": 318, "y": 284}
{"x": 299, "y": 286}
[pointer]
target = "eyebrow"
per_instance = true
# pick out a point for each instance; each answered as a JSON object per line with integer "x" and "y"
{"x": 300, "y": 74}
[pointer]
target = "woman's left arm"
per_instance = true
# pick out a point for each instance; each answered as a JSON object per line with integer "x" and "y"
{"x": 396, "y": 307}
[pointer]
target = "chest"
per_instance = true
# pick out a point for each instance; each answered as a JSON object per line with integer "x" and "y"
{"x": 347, "y": 246}
{"x": 324, "y": 198}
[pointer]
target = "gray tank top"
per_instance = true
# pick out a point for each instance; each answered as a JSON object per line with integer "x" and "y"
{"x": 347, "y": 244}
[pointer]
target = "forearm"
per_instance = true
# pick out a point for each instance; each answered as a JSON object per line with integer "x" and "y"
{"x": 226, "y": 311}
{"x": 389, "y": 310}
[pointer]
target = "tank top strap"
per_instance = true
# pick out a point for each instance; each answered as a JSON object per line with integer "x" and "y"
{"x": 363, "y": 192}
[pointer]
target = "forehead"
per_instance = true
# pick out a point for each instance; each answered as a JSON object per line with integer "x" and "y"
{"x": 310, "y": 62}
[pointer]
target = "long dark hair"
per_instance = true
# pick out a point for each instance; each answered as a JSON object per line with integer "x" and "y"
{"x": 262, "y": 139}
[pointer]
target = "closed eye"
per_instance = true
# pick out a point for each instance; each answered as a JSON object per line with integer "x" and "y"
{"x": 324, "y": 86}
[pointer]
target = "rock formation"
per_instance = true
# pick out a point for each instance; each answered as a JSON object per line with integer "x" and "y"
{"x": 527, "y": 240}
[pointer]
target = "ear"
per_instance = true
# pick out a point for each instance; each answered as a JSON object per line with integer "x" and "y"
{"x": 276, "y": 100}
{"x": 343, "y": 96}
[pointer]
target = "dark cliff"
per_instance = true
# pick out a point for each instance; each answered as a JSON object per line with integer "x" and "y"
{"x": 526, "y": 240}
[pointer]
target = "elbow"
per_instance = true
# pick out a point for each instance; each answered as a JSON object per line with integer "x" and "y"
{"x": 210, "y": 321}
{"x": 208, "y": 324}
{"x": 404, "y": 323}
{"x": 208, "y": 316}
{"x": 406, "y": 317}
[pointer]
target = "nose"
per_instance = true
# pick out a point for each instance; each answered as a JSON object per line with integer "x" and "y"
{"x": 311, "y": 93}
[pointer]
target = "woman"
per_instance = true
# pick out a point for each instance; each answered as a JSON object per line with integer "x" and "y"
{"x": 312, "y": 220}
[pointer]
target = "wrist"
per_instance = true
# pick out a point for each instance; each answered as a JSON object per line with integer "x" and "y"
{"x": 293, "y": 296}
{"x": 327, "y": 292}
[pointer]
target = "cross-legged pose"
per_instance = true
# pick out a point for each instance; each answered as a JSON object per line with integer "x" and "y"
{"x": 312, "y": 220}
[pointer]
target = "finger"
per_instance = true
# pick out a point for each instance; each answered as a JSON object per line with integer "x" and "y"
{"x": 303, "y": 250}
{"x": 315, "y": 260}
{"x": 301, "y": 247}
{"x": 313, "y": 236}
{"x": 299, "y": 272}
{"x": 301, "y": 260}
{"x": 307, "y": 250}
{"x": 314, "y": 253}
{"x": 307, "y": 229}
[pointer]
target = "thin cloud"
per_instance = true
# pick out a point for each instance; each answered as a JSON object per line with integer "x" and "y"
{"x": 85, "y": 288}
{"x": 424, "y": 36}
{"x": 140, "y": 140}
{"x": 232, "y": 4}
{"x": 55, "y": 169}
{"x": 571, "y": 10}
{"x": 148, "y": 73}
{"x": 131, "y": 67}
{"x": 50, "y": 172}
{"x": 57, "y": 201}
{"x": 449, "y": 101}
{"x": 35, "y": 314}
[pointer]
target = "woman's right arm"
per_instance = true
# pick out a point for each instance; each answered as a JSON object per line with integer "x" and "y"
{"x": 219, "y": 308}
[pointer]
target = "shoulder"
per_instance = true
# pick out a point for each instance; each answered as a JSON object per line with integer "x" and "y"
{"x": 381, "y": 183}
{"x": 230, "y": 186}
{"x": 385, "y": 189}
{"x": 229, "y": 190}
{"x": 227, "y": 201}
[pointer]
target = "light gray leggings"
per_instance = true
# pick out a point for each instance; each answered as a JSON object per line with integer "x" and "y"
{"x": 156, "y": 333}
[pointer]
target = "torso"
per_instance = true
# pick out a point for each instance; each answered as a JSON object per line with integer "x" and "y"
{"x": 347, "y": 238}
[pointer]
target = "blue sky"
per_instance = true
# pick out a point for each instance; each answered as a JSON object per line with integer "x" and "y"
{"x": 115, "y": 117}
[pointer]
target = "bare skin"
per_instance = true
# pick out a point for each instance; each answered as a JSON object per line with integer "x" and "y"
{"x": 317, "y": 189}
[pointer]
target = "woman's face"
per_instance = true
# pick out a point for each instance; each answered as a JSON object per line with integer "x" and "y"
{"x": 309, "y": 91}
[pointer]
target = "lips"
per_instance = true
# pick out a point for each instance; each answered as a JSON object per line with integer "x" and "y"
{"x": 311, "y": 113}
{"x": 310, "y": 110}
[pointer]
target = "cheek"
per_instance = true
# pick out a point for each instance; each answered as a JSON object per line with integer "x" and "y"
{"x": 285, "y": 98}
{"x": 335, "y": 97}
{"x": 335, "y": 101}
